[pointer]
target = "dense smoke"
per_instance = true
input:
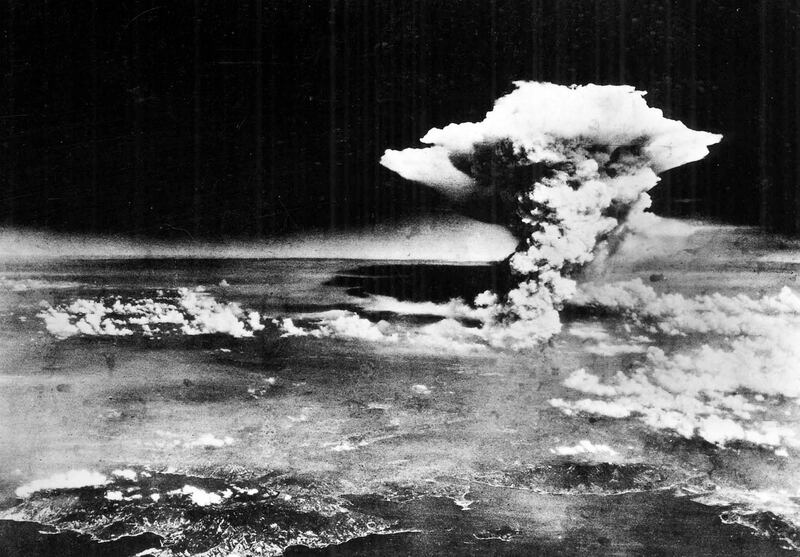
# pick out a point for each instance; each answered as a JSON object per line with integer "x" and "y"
{"x": 187, "y": 312}
{"x": 569, "y": 165}
{"x": 726, "y": 390}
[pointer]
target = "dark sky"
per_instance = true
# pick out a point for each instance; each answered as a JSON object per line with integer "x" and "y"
{"x": 245, "y": 119}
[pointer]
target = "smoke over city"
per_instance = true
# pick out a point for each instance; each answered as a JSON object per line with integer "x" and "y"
{"x": 570, "y": 166}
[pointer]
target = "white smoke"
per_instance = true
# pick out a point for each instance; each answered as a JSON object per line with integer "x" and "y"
{"x": 446, "y": 335}
{"x": 72, "y": 479}
{"x": 574, "y": 163}
{"x": 540, "y": 117}
{"x": 725, "y": 390}
{"x": 584, "y": 447}
{"x": 340, "y": 324}
{"x": 188, "y": 311}
{"x": 198, "y": 496}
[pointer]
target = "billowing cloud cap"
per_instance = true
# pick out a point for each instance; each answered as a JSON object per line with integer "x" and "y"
{"x": 536, "y": 116}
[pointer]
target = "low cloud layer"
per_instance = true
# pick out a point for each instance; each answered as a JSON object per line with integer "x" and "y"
{"x": 186, "y": 311}
{"x": 722, "y": 385}
{"x": 443, "y": 237}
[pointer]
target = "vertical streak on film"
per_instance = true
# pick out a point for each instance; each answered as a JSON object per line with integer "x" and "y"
{"x": 258, "y": 186}
{"x": 332, "y": 114}
{"x": 196, "y": 206}
{"x": 764, "y": 180}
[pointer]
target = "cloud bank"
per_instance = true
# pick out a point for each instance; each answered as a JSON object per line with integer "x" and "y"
{"x": 186, "y": 311}
{"x": 724, "y": 384}
{"x": 442, "y": 237}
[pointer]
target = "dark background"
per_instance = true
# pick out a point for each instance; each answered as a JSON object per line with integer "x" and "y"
{"x": 245, "y": 119}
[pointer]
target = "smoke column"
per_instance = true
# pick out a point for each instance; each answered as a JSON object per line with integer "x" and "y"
{"x": 570, "y": 166}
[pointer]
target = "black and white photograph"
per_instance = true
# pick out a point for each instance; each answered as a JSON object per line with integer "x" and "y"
{"x": 399, "y": 278}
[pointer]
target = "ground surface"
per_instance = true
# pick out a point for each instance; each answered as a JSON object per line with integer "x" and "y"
{"x": 341, "y": 446}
